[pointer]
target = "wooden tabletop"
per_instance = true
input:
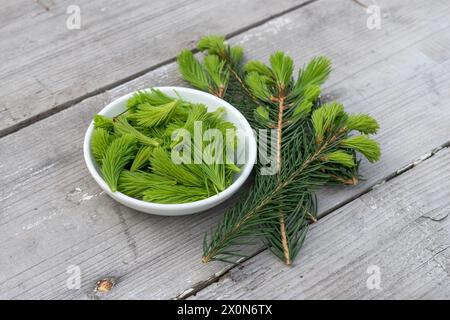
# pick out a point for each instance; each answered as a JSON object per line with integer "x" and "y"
{"x": 388, "y": 237}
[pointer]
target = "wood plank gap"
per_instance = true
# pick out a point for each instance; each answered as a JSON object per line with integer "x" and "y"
{"x": 192, "y": 291}
{"x": 66, "y": 105}
{"x": 219, "y": 275}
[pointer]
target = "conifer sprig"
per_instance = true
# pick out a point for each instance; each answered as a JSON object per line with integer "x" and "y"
{"x": 100, "y": 142}
{"x": 150, "y": 116}
{"x": 118, "y": 154}
{"x": 135, "y": 183}
{"x": 315, "y": 146}
{"x": 142, "y": 158}
{"x": 212, "y": 76}
{"x": 123, "y": 127}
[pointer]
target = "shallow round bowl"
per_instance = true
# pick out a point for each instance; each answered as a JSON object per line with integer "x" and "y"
{"x": 246, "y": 148}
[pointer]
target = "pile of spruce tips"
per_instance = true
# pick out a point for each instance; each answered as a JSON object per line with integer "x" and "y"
{"x": 134, "y": 150}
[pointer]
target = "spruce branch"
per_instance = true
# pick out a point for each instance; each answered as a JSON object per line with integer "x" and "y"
{"x": 238, "y": 221}
{"x": 231, "y": 56}
{"x": 314, "y": 147}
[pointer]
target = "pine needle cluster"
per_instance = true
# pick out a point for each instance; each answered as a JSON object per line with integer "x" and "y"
{"x": 134, "y": 150}
{"x": 317, "y": 144}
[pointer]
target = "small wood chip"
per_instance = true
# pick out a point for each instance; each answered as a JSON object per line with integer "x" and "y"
{"x": 104, "y": 285}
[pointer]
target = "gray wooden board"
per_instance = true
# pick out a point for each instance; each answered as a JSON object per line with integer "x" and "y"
{"x": 45, "y": 66}
{"x": 391, "y": 243}
{"x": 54, "y": 216}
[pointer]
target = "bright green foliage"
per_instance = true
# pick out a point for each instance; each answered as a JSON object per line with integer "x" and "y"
{"x": 163, "y": 165}
{"x": 282, "y": 67}
{"x": 314, "y": 74}
{"x": 216, "y": 176}
{"x": 310, "y": 96}
{"x": 325, "y": 119}
{"x": 142, "y": 158}
{"x": 257, "y": 85}
{"x": 100, "y": 142}
{"x": 121, "y": 127}
{"x": 330, "y": 120}
{"x": 216, "y": 70}
{"x": 262, "y": 112}
{"x": 119, "y": 153}
{"x": 341, "y": 157}
{"x": 135, "y": 183}
{"x": 174, "y": 194}
{"x": 150, "y": 116}
{"x": 103, "y": 122}
{"x": 213, "y": 44}
{"x": 212, "y": 76}
{"x": 152, "y": 97}
{"x": 362, "y": 123}
{"x": 214, "y": 121}
{"x": 191, "y": 69}
{"x": 215, "y": 117}
{"x": 258, "y": 67}
{"x": 198, "y": 113}
{"x": 368, "y": 147}
{"x": 263, "y": 82}
{"x": 134, "y": 149}
{"x": 236, "y": 55}
{"x": 315, "y": 150}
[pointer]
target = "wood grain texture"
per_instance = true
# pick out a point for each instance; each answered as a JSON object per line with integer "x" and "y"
{"x": 45, "y": 66}
{"x": 54, "y": 216}
{"x": 401, "y": 227}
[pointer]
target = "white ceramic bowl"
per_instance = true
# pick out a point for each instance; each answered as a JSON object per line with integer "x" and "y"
{"x": 246, "y": 146}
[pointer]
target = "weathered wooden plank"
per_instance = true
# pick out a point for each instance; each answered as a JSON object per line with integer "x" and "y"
{"x": 155, "y": 257}
{"x": 400, "y": 230}
{"x": 46, "y": 66}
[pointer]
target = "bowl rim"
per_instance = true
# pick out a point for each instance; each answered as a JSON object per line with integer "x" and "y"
{"x": 208, "y": 202}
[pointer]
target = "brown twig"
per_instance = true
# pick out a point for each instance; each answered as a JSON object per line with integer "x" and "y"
{"x": 284, "y": 240}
